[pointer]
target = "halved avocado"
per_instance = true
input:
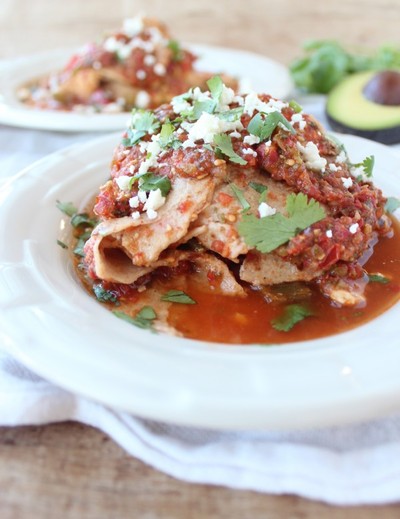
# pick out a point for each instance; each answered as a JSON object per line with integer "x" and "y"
{"x": 367, "y": 104}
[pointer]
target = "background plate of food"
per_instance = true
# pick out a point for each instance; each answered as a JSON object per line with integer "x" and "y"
{"x": 94, "y": 88}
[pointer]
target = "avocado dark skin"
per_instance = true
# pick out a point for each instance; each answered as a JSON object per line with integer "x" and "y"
{"x": 367, "y": 104}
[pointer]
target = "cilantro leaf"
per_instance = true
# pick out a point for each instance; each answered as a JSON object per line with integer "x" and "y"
{"x": 79, "y": 219}
{"x": 67, "y": 208}
{"x": 295, "y": 106}
{"x": 292, "y": 315}
{"x": 392, "y": 204}
{"x": 224, "y": 145}
{"x": 367, "y": 164}
{"x": 234, "y": 114}
{"x": 378, "y": 278}
{"x": 240, "y": 197}
{"x": 62, "y": 244}
{"x": 263, "y": 127}
{"x": 151, "y": 182}
{"x": 143, "y": 123}
{"x": 199, "y": 107}
{"x": 143, "y": 319}
{"x": 103, "y": 295}
{"x": 177, "y": 53}
{"x": 177, "y": 296}
{"x": 267, "y": 234}
{"x": 216, "y": 87}
{"x": 260, "y": 188}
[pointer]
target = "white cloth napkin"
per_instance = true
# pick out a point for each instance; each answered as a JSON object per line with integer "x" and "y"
{"x": 357, "y": 464}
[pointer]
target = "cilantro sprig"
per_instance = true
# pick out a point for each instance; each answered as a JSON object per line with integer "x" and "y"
{"x": 378, "y": 278}
{"x": 292, "y": 315}
{"x": 267, "y": 234}
{"x": 143, "y": 122}
{"x": 367, "y": 165}
{"x": 151, "y": 182}
{"x": 223, "y": 143}
{"x": 263, "y": 127}
{"x": 240, "y": 196}
{"x": 326, "y": 63}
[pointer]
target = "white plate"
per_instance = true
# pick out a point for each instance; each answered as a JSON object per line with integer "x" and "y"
{"x": 263, "y": 74}
{"x": 53, "y": 326}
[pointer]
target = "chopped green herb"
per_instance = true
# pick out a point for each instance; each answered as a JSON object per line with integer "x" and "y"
{"x": 177, "y": 296}
{"x": 295, "y": 106}
{"x": 378, "y": 278}
{"x": 103, "y": 295}
{"x": 143, "y": 122}
{"x": 224, "y": 145}
{"x": 231, "y": 115}
{"x": 177, "y": 53}
{"x": 392, "y": 204}
{"x": 266, "y": 234}
{"x": 216, "y": 87}
{"x": 62, "y": 244}
{"x": 367, "y": 164}
{"x": 240, "y": 197}
{"x": 143, "y": 319}
{"x": 67, "y": 208}
{"x": 260, "y": 188}
{"x": 292, "y": 315}
{"x": 151, "y": 182}
{"x": 263, "y": 127}
{"x": 200, "y": 107}
{"x": 83, "y": 219}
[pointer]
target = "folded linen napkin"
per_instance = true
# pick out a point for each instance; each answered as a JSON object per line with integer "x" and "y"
{"x": 357, "y": 464}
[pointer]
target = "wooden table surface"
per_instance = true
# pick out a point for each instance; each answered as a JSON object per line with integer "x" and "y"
{"x": 72, "y": 471}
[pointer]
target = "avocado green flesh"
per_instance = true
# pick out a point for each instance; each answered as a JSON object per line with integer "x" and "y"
{"x": 349, "y": 110}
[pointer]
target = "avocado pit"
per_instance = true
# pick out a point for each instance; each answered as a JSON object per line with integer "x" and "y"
{"x": 384, "y": 88}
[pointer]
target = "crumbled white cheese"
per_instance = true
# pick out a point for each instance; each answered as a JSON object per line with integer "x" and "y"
{"x": 226, "y": 98}
{"x": 249, "y": 151}
{"x": 329, "y": 233}
{"x": 342, "y": 157}
{"x": 142, "y": 99}
{"x": 207, "y": 126}
{"x": 180, "y": 105}
{"x": 198, "y": 95}
{"x": 188, "y": 144}
{"x": 135, "y": 215}
{"x": 153, "y": 150}
{"x": 149, "y": 60}
{"x": 134, "y": 202}
{"x": 124, "y": 182}
{"x": 111, "y": 44}
{"x": 141, "y": 74}
{"x": 151, "y": 214}
{"x": 353, "y": 228}
{"x": 268, "y": 143}
{"x": 159, "y": 69}
{"x": 154, "y": 201}
{"x": 142, "y": 196}
{"x": 312, "y": 157}
{"x": 298, "y": 118}
{"x": 333, "y": 167}
{"x": 357, "y": 171}
{"x": 347, "y": 182}
{"x": 251, "y": 139}
{"x": 133, "y": 26}
{"x": 235, "y": 134}
{"x": 265, "y": 210}
{"x": 252, "y": 102}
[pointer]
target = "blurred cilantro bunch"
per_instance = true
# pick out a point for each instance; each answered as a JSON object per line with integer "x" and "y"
{"x": 327, "y": 62}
